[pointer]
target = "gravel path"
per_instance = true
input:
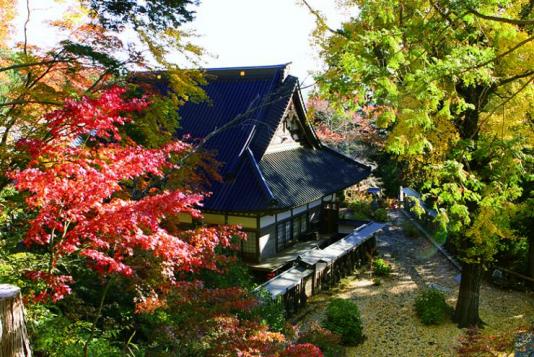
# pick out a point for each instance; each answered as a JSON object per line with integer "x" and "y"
{"x": 389, "y": 319}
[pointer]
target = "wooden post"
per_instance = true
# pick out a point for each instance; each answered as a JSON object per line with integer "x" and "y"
{"x": 14, "y": 340}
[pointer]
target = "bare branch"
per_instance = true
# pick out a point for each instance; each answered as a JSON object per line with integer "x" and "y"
{"x": 26, "y": 27}
{"x": 488, "y": 116}
{"x": 270, "y": 99}
{"x": 505, "y": 53}
{"x": 104, "y": 74}
{"x": 18, "y": 102}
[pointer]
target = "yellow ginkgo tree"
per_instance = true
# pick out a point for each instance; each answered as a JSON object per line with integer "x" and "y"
{"x": 451, "y": 87}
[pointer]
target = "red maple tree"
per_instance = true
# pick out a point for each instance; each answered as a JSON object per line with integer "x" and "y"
{"x": 79, "y": 183}
{"x": 76, "y": 183}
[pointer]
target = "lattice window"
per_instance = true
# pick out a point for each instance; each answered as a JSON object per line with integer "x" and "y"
{"x": 303, "y": 223}
{"x": 284, "y": 234}
{"x": 296, "y": 227}
{"x": 249, "y": 245}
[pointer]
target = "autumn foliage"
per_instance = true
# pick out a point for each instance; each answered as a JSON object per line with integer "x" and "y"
{"x": 100, "y": 198}
{"x": 76, "y": 184}
{"x": 302, "y": 350}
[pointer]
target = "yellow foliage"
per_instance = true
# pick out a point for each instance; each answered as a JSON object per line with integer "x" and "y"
{"x": 7, "y": 13}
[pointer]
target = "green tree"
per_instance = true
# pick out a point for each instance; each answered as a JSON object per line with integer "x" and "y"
{"x": 450, "y": 85}
{"x": 89, "y": 53}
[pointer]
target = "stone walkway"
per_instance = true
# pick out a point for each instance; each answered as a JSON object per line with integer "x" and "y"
{"x": 389, "y": 319}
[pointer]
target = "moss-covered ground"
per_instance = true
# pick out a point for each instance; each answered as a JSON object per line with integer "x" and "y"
{"x": 390, "y": 323}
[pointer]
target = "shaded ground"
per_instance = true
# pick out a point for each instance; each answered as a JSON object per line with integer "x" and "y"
{"x": 389, "y": 319}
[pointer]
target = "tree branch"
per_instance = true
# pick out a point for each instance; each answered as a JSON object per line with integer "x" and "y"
{"x": 442, "y": 13}
{"x": 26, "y": 27}
{"x": 501, "y": 55}
{"x": 7, "y": 129}
{"x": 322, "y": 21}
{"x": 502, "y": 19}
{"x": 31, "y": 64}
{"x": 516, "y": 77}
{"x": 98, "y": 315}
{"x": 18, "y": 102}
{"x": 488, "y": 116}
{"x": 103, "y": 75}
{"x": 29, "y": 84}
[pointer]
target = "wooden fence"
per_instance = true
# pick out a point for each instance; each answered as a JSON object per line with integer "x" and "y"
{"x": 321, "y": 269}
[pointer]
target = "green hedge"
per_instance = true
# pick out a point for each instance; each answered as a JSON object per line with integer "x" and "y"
{"x": 343, "y": 318}
{"x": 431, "y": 307}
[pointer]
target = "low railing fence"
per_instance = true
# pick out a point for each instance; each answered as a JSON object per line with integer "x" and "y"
{"x": 321, "y": 269}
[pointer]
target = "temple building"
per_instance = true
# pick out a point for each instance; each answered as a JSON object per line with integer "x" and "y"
{"x": 280, "y": 183}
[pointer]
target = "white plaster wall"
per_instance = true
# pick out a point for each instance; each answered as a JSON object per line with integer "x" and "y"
{"x": 266, "y": 221}
{"x": 268, "y": 243}
{"x": 283, "y": 215}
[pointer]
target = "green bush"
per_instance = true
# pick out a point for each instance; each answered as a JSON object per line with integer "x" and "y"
{"x": 431, "y": 307}
{"x": 361, "y": 208}
{"x": 380, "y": 215}
{"x": 327, "y": 341}
{"x": 270, "y": 312}
{"x": 381, "y": 268}
{"x": 343, "y": 318}
{"x": 59, "y": 336}
{"x": 235, "y": 274}
{"x": 410, "y": 230}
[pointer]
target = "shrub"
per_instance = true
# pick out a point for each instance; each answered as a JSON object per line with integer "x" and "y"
{"x": 409, "y": 229}
{"x": 270, "y": 312}
{"x": 343, "y": 318}
{"x": 431, "y": 307}
{"x": 58, "y": 336}
{"x": 361, "y": 208}
{"x": 326, "y": 340}
{"x": 236, "y": 273}
{"x": 302, "y": 350}
{"x": 380, "y": 214}
{"x": 381, "y": 268}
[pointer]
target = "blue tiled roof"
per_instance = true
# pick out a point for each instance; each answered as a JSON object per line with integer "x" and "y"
{"x": 253, "y": 181}
{"x": 264, "y": 97}
{"x": 299, "y": 176}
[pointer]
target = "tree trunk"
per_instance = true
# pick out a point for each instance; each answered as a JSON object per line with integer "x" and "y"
{"x": 14, "y": 340}
{"x": 466, "y": 314}
{"x": 530, "y": 271}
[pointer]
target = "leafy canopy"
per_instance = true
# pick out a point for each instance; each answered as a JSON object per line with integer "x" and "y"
{"x": 90, "y": 55}
{"x": 451, "y": 89}
{"x": 75, "y": 183}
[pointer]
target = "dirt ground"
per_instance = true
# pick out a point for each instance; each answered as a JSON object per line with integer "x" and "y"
{"x": 390, "y": 323}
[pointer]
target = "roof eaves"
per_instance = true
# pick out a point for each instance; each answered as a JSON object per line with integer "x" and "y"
{"x": 345, "y": 157}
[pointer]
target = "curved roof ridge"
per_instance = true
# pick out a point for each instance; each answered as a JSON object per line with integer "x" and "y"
{"x": 273, "y": 66}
